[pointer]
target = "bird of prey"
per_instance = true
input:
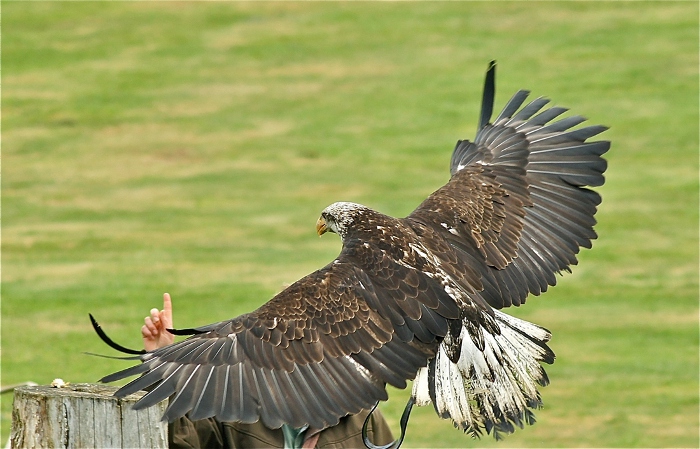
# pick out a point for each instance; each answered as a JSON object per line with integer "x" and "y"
{"x": 416, "y": 298}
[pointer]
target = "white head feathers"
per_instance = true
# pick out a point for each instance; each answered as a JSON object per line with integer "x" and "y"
{"x": 339, "y": 217}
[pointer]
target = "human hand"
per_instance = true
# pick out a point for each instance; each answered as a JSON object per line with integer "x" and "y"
{"x": 154, "y": 332}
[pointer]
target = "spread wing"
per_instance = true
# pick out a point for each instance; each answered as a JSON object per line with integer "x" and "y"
{"x": 321, "y": 349}
{"x": 516, "y": 206}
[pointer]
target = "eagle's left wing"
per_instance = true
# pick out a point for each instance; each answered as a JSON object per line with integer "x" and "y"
{"x": 517, "y": 210}
{"x": 517, "y": 207}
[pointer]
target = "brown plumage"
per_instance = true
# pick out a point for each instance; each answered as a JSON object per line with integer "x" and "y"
{"x": 411, "y": 298}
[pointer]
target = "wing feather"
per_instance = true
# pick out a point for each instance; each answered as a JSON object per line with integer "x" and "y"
{"x": 525, "y": 113}
{"x": 328, "y": 336}
{"x": 520, "y": 192}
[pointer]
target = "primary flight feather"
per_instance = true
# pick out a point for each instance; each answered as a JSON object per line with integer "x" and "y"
{"x": 413, "y": 298}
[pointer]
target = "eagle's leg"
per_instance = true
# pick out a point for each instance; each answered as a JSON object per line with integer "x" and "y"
{"x": 293, "y": 438}
{"x": 396, "y": 444}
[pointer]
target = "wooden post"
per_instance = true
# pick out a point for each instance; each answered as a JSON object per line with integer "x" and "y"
{"x": 84, "y": 415}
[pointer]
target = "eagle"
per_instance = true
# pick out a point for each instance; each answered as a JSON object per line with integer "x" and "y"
{"x": 417, "y": 298}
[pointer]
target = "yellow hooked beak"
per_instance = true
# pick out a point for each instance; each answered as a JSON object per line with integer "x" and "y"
{"x": 321, "y": 226}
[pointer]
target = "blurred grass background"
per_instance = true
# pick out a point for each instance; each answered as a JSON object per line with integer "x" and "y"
{"x": 189, "y": 148}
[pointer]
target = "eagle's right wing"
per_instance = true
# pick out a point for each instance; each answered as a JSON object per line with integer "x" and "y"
{"x": 321, "y": 349}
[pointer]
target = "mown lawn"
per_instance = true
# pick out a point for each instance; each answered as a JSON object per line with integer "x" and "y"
{"x": 189, "y": 148}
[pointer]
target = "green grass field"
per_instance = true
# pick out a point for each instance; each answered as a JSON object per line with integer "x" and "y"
{"x": 189, "y": 148}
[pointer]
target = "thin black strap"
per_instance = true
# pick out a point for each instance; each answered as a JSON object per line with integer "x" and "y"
{"x": 109, "y": 341}
{"x": 396, "y": 444}
{"x": 187, "y": 331}
{"x": 124, "y": 349}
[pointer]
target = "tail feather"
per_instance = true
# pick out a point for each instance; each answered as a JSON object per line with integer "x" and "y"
{"x": 491, "y": 390}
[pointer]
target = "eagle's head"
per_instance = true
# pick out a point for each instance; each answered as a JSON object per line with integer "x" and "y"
{"x": 339, "y": 218}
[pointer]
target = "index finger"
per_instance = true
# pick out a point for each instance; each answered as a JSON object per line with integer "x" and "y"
{"x": 168, "y": 308}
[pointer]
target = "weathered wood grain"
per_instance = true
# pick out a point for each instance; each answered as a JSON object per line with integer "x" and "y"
{"x": 83, "y": 416}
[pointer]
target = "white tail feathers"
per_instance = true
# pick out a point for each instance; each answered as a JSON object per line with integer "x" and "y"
{"x": 493, "y": 389}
